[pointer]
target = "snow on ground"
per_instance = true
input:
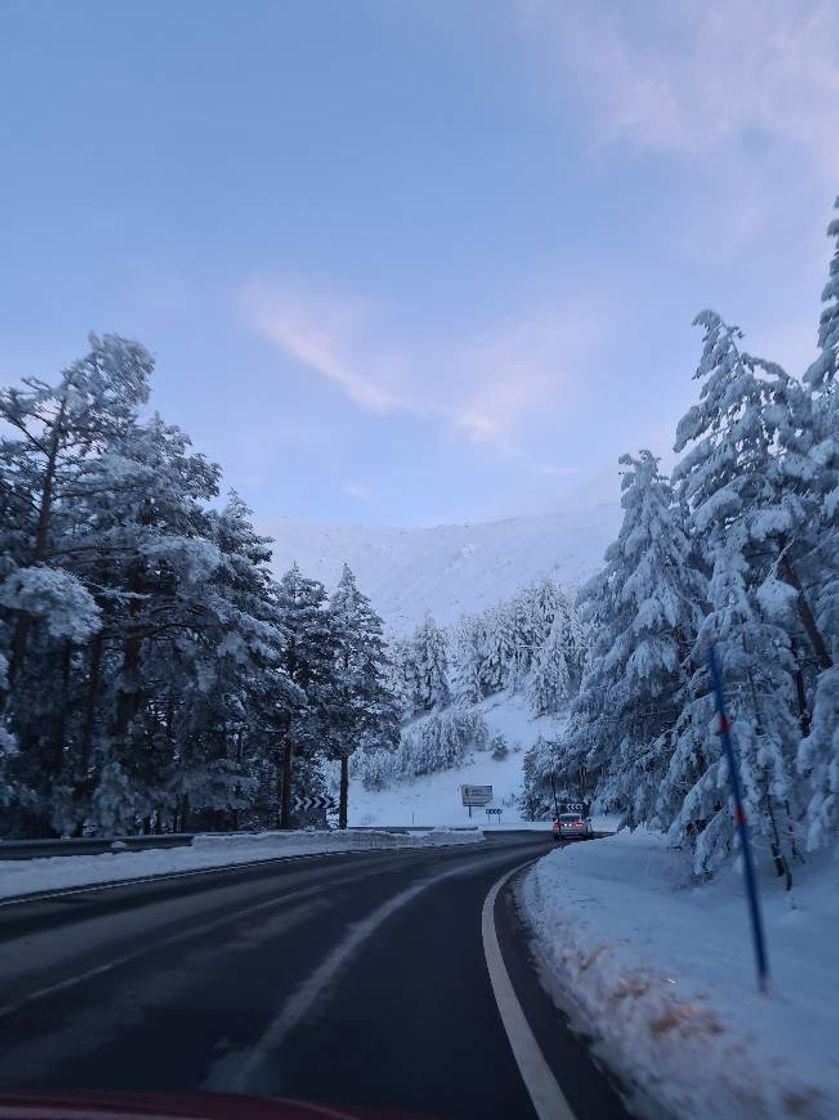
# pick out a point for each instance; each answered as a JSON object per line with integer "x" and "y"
{"x": 660, "y": 972}
{"x": 30, "y": 876}
{"x": 434, "y": 799}
{"x": 449, "y": 569}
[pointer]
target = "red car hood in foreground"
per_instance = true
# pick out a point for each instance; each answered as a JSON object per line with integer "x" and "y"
{"x": 74, "y": 1105}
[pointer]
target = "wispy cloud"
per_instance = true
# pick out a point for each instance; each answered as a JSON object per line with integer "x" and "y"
{"x": 745, "y": 92}
{"x": 484, "y": 384}
{"x": 691, "y": 77}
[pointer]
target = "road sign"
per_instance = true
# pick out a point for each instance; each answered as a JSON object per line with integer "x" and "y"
{"x": 310, "y": 804}
{"x": 581, "y": 807}
{"x": 493, "y": 812}
{"x": 476, "y": 795}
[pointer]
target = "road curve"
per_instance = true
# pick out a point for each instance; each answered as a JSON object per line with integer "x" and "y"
{"x": 355, "y": 979}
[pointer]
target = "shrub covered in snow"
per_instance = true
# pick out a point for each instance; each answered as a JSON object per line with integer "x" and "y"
{"x": 440, "y": 741}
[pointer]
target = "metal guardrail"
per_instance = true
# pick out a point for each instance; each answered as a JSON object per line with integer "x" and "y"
{"x": 412, "y": 828}
{"x": 100, "y": 845}
{"x": 91, "y": 845}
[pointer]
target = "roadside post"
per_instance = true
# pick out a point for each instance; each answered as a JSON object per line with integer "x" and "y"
{"x": 556, "y": 803}
{"x": 756, "y": 919}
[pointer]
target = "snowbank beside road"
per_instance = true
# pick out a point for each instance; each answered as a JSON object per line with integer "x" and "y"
{"x": 660, "y": 972}
{"x": 19, "y": 877}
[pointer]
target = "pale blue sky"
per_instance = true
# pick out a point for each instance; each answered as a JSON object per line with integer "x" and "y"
{"x": 418, "y": 261}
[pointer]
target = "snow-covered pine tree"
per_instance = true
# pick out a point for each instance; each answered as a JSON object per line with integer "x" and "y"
{"x": 496, "y": 664}
{"x": 468, "y": 658}
{"x": 819, "y": 753}
{"x": 240, "y": 689}
{"x": 643, "y": 613}
{"x": 309, "y": 661}
{"x": 140, "y": 640}
{"x": 153, "y": 558}
{"x": 48, "y": 613}
{"x": 429, "y": 660}
{"x": 575, "y": 761}
{"x": 440, "y": 741}
{"x": 660, "y": 595}
{"x": 363, "y": 706}
{"x": 732, "y": 482}
{"x": 63, "y": 425}
{"x": 401, "y": 676}
{"x": 557, "y": 666}
{"x": 539, "y": 781}
{"x": 528, "y": 618}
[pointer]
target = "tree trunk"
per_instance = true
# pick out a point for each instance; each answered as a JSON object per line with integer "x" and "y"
{"x": 285, "y": 792}
{"x": 782, "y": 868}
{"x": 344, "y": 792}
{"x": 808, "y": 620}
{"x": 61, "y": 722}
{"x": 90, "y": 705}
{"x": 23, "y": 624}
{"x": 234, "y": 816}
{"x": 128, "y": 698}
{"x": 800, "y": 690}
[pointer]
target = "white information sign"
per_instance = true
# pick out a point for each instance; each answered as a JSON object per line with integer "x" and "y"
{"x": 476, "y": 795}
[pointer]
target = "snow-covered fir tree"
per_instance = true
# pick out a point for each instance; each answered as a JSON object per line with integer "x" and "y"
{"x": 429, "y": 658}
{"x": 146, "y": 653}
{"x": 308, "y": 658}
{"x": 532, "y": 644}
{"x": 468, "y": 657}
{"x": 556, "y": 668}
{"x": 642, "y": 612}
{"x": 732, "y": 482}
{"x": 364, "y": 708}
{"x": 819, "y": 752}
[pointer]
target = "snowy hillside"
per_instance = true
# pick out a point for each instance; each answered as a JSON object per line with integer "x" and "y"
{"x": 450, "y": 569}
{"x": 434, "y": 799}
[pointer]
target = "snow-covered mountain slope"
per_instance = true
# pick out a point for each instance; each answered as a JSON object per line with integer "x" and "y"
{"x": 434, "y": 799}
{"x": 450, "y": 569}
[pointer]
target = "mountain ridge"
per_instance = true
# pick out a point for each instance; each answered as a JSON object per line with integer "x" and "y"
{"x": 448, "y": 570}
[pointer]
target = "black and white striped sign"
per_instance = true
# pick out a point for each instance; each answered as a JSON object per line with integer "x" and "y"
{"x": 310, "y": 804}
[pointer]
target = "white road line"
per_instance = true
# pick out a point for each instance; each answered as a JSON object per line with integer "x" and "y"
{"x": 547, "y": 1097}
{"x": 298, "y": 1006}
{"x": 246, "y": 1076}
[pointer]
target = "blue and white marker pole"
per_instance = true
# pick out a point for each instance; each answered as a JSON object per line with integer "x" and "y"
{"x": 758, "y": 939}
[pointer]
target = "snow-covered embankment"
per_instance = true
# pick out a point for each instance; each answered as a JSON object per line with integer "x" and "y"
{"x": 21, "y": 877}
{"x": 659, "y": 971}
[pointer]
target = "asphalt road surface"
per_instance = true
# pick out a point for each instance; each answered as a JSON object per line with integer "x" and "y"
{"x": 358, "y": 979}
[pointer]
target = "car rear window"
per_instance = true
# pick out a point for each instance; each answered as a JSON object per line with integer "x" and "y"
{"x": 570, "y": 817}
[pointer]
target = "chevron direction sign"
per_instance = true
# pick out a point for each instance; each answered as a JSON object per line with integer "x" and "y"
{"x": 312, "y": 804}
